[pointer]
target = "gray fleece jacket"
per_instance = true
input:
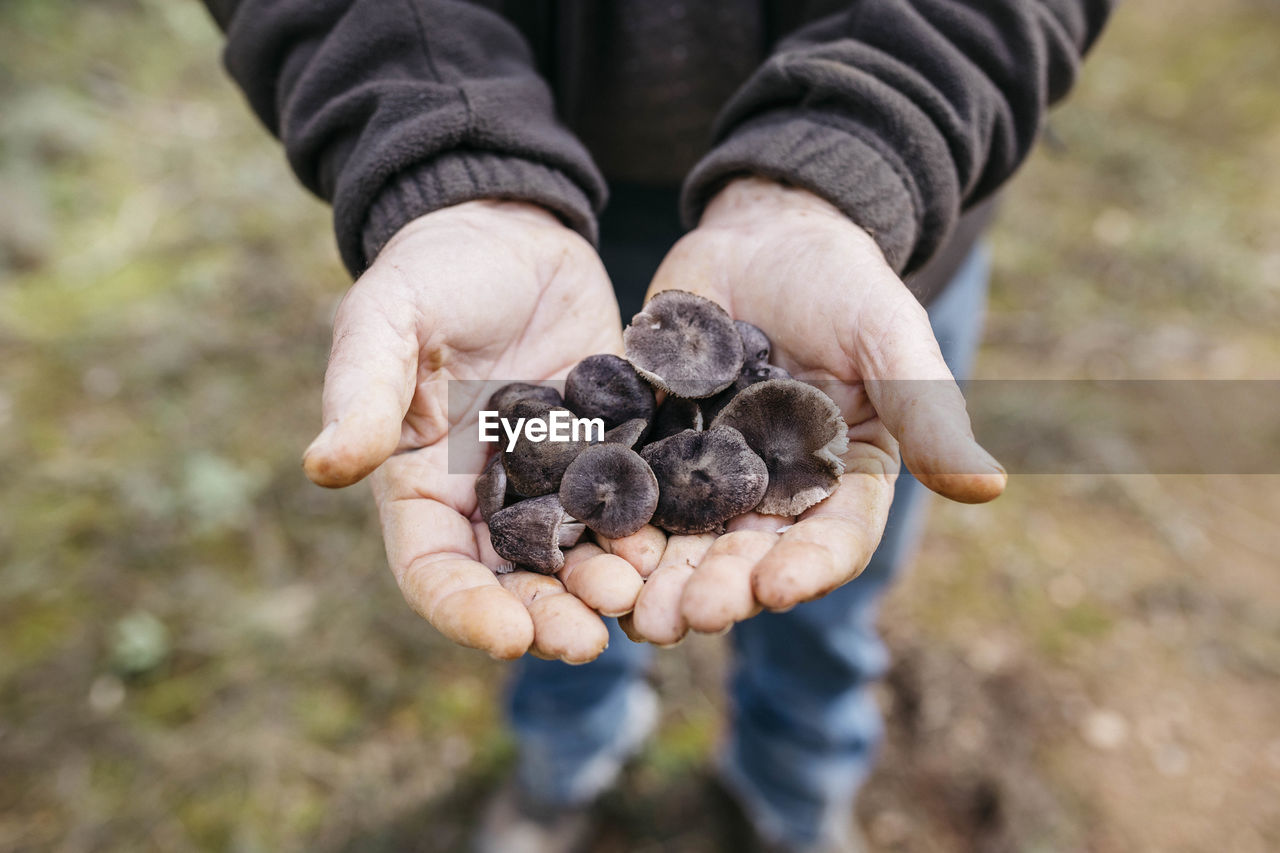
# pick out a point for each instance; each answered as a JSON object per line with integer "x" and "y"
{"x": 902, "y": 113}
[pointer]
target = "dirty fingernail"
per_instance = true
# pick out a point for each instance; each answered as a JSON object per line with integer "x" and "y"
{"x": 320, "y": 440}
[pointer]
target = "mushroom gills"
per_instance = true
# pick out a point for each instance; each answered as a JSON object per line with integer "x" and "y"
{"x": 571, "y": 533}
{"x": 750, "y": 375}
{"x": 799, "y": 433}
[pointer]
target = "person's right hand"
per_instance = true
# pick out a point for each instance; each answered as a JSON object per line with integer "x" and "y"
{"x": 485, "y": 290}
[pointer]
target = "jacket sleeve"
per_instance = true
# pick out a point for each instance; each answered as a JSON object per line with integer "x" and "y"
{"x": 902, "y": 113}
{"x": 393, "y": 108}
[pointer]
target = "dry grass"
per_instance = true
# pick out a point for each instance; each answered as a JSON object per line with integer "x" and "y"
{"x": 201, "y": 652}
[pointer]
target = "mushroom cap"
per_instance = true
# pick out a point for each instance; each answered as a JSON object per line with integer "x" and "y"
{"x": 609, "y": 488}
{"x": 677, "y": 414}
{"x": 491, "y": 487}
{"x": 534, "y": 467}
{"x": 528, "y": 533}
{"x": 627, "y": 433}
{"x": 800, "y": 434}
{"x": 704, "y": 479}
{"x": 750, "y": 375}
{"x": 684, "y": 344}
{"x": 607, "y": 386}
{"x": 755, "y": 343}
{"x": 508, "y": 394}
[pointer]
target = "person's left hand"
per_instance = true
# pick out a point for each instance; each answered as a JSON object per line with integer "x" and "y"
{"x": 818, "y": 285}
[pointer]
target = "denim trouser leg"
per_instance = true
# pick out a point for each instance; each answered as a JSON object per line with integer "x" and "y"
{"x": 806, "y": 727}
{"x": 575, "y": 725}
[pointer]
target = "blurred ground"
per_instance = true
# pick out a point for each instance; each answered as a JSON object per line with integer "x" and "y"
{"x": 199, "y": 651}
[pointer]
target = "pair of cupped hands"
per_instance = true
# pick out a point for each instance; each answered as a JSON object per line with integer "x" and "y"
{"x": 499, "y": 290}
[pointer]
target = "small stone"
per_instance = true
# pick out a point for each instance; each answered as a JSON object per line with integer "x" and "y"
{"x": 1104, "y": 729}
{"x": 139, "y": 643}
{"x": 106, "y": 694}
{"x": 284, "y": 612}
{"x": 988, "y": 655}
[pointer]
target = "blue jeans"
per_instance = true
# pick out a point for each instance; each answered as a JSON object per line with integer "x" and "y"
{"x": 805, "y": 725}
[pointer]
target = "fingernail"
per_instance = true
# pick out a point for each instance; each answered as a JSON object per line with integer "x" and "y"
{"x": 995, "y": 466}
{"x": 320, "y": 440}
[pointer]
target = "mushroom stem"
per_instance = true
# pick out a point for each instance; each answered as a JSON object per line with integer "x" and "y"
{"x": 571, "y": 532}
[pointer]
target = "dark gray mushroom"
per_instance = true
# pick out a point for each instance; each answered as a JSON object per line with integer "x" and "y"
{"x": 755, "y": 343}
{"x": 491, "y": 487}
{"x": 753, "y": 373}
{"x": 750, "y": 375}
{"x": 704, "y": 479}
{"x": 534, "y": 467}
{"x": 677, "y": 414}
{"x": 611, "y": 489}
{"x": 628, "y": 433}
{"x": 684, "y": 344}
{"x": 508, "y": 394}
{"x": 799, "y": 433}
{"x": 532, "y": 532}
{"x": 607, "y": 386}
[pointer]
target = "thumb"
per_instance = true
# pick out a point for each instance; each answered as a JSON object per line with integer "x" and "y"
{"x": 368, "y": 386}
{"x": 918, "y": 400}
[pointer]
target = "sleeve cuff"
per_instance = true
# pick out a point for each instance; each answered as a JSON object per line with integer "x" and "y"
{"x": 456, "y": 177}
{"x": 866, "y": 184}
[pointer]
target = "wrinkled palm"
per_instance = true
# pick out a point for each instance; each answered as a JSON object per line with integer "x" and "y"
{"x": 791, "y": 264}
{"x": 480, "y": 291}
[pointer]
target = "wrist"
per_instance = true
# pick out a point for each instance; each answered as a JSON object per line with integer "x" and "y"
{"x": 750, "y": 199}
{"x": 455, "y": 178}
{"x": 491, "y": 216}
{"x": 756, "y": 206}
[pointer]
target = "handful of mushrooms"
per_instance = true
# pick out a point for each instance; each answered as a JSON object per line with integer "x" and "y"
{"x": 733, "y": 433}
